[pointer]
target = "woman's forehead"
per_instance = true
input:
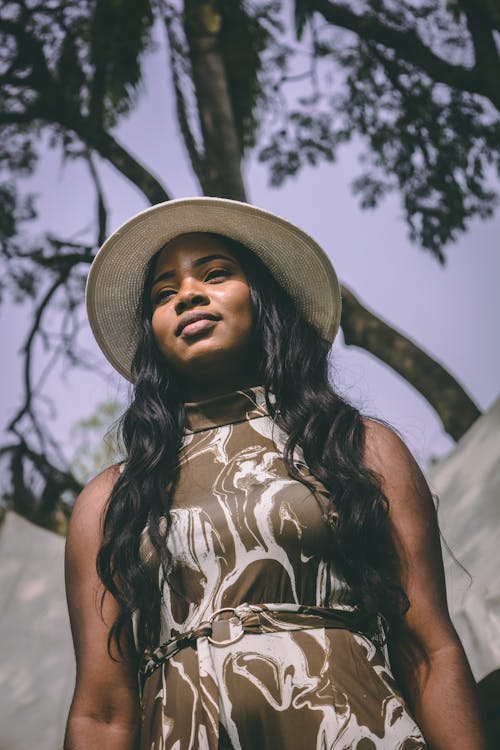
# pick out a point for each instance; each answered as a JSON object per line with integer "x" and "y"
{"x": 192, "y": 246}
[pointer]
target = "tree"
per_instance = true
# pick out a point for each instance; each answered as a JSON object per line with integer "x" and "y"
{"x": 71, "y": 71}
{"x": 419, "y": 84}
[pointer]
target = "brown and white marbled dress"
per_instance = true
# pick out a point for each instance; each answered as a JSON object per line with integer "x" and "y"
{"x": 242, "y": 533}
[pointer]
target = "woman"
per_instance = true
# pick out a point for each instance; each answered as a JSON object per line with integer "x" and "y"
{"x": 263, "y": 550}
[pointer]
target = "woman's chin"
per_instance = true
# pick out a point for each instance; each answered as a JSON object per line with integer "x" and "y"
{"x": 205, "y": 357}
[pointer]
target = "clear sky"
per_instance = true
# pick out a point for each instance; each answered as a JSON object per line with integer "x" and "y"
{"x": 452, "y": 312}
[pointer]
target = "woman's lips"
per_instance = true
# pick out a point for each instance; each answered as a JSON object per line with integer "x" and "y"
{"x": 192, "y": 329}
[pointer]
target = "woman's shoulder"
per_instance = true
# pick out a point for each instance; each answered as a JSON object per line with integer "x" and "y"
{"x": 90, "y": 505}
{"x": 382, "y": 443}
{"x": 387, "y": 455}
{"x": 96, "y": 492}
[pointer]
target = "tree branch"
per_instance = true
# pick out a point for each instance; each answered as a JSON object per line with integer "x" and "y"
{"x": 176, "y": 58}
{"x": 54, "y": 107}
{"x": 102, "y": 212}
{"x": 362, "y": 328}
{"x": 109, "y": 148}
{"x": 408, "y": 46}
{"x": 58, "y": 262}
{"x": 50, "y": 512}
{"x": 27, "y": 351}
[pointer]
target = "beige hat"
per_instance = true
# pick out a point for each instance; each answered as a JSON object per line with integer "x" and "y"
{"x": 116, "y": 278}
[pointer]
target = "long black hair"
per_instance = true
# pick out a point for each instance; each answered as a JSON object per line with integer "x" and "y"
{"x": 294, "y": 367}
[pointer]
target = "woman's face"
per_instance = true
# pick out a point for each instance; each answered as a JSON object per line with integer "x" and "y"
{"x": 202, "y": 315}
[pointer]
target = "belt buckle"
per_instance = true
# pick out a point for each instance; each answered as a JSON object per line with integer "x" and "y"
{"x": 235, "y": 629}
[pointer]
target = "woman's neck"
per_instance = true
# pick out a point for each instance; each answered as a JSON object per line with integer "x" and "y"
{"x": 200, "y": 391}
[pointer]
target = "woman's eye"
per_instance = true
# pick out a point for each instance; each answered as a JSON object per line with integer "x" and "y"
{"x": 217, "y": 272}
{"x": 163, "y": 295}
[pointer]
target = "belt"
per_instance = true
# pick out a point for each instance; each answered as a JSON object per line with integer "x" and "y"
{"x": 227, "y": 625}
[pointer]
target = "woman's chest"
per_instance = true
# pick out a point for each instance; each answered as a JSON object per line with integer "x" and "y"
{"x": 235, "y": 497}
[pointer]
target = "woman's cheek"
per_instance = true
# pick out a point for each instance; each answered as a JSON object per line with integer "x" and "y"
{"x": 158, "y": 326}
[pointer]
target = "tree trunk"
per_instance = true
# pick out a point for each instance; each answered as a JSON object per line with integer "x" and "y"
{"x": 221, "y": 171}
{"x": 362, "y": 328}
{"x": 221, "y": 176}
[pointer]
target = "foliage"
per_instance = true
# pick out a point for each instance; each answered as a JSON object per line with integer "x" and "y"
{"x": 64, "y": 67}
{"x": 437, "y": 145}
{"x": 90, "y": 49}
{"x": 411, "y": 82}
{"x": 118, "y": 33}
{"x": 415, "y": 83}
{"x": 68, "y": 72}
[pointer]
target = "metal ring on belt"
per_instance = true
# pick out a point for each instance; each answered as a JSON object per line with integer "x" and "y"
{"x": 232, "y": 639}
{"x": 253, "y": 618}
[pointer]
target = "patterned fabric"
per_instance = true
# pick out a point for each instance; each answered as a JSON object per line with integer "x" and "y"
{"x": 230, "y": 623}
{"x": 244, "y": 534}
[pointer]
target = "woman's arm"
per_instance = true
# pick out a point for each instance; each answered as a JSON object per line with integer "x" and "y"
{"x": 105, "y": 710}
{"x": 426, "y": 654}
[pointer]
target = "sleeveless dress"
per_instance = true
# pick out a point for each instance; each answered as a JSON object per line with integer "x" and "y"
{"x": 244, "y": 533}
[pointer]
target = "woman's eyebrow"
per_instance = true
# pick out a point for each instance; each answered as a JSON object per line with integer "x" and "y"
{"x": 198, "y": 262}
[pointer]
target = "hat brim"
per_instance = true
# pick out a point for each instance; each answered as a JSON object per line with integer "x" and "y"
{"x": 116, "y": 278}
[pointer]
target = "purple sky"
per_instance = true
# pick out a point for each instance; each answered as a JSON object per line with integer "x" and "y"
{"x": 452, "y": 312}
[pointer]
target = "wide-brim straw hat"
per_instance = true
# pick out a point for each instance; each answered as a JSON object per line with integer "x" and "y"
{"x": 116, "y": 279}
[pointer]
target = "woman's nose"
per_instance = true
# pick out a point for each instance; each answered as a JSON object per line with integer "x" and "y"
{"x": 191, "y": 293}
